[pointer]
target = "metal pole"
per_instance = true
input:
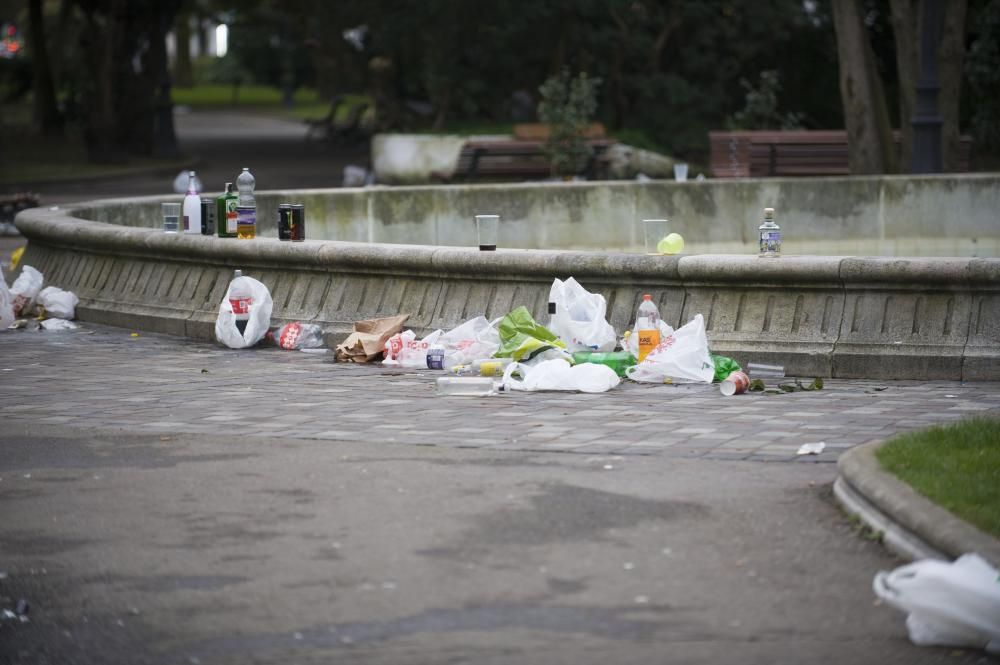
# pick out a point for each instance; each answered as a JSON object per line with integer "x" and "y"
{"x": 926, "y": 120}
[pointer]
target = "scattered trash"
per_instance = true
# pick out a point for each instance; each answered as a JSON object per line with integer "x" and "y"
{"x": 680, "y": 357}
{"x": 735, "y": 384}
{"x": 949, "y": 604}
{"x": 466, "y": 386}
{"x": 524, "y": 340}
{"x": 25, "y": 290}
{"x": 756, "y": 370}
{"x": 578, "y": 317}
{"x": 367, "y": 342}
{"x": 815, "y": 384}
{"x": 247, "y": 305}
{"x": 619, "y": 361}
{"x": 558, "y": 374}
{"x": 204, "y": 371}
{"x": 134, "y": 334}
{"x": 298, "y": 335}
{"x": 58, "y": 324}
{"x": 58, "y": 303}
{"x": 7, "y": 315}
{"x": 724, "y": 367}
{"x": 811, "y": 448}
{"x": 15, "y": 257}
{"x": 475, "y": 339}
{"x": 405, "y": 350}
{"x": 876, "y": 389}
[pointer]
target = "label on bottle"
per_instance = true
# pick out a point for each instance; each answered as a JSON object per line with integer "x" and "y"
{"x": 246, "y": 219}
{"x": 648, "y": 340}
{"x": 435, "y": 357}
{"x": 770, "y": 242}
{"x": 231, "y": 215}
{"x": 491, "y": 368}
{"x": 241, "y": 304}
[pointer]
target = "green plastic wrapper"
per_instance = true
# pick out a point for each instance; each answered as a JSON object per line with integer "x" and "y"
{"x": 521, "y": 338}
{"x": 724, "y": 367}
{"x": 619, "y": 361}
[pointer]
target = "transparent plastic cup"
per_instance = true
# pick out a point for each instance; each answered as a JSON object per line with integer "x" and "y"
{"x": 759, "y": 371}
{"x": 653, "y": 231}
{"x": 487, "y": 227}
{"x": 681, "y": 172}
{"x": 171, "y": 217}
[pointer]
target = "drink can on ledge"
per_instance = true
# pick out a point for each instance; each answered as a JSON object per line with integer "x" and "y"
{"x": 297, "y": 227}
{"x": 208, "y": 217}
{"x": 284, "y": 221}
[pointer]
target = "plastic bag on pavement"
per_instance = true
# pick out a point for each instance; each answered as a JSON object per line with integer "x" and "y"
{"x": 558, "y": 374}
{"x": 578, "y": 317}
{"x": 58, "y": 304}
{"x": 953, "y": 604}
{"x": 724, "y": 367}
{"x": 475, "y": 339}
{"x": 681, "y": 357}
{"x": 367, "y": 342}
{"x": 405, "y": 350}
{"x": 298, "y": 335}
{"x": 25, "y": 290}
{"x": 522, "y": 339}
{"x": 58, "y": 324}
{"x": 258, "y": 322}
{"x": 6, "y": 304}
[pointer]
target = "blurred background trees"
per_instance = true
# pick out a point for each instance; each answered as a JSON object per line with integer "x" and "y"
{"x": 671, "y": 70}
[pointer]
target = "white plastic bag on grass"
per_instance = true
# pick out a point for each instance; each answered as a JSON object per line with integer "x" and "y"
{"x": 405, "y": 350}
{"x": 560, "y": 375}
{"x": 259, "y": 310}
{"x": 579, "y": 317}
{"x": 475, "y": 339}
{"x": 681, "y": 357}
{"x": 25, "y": 290}
{"x": 6, "y": 304}
{"x": 949, "y": 604}
{"x": 58, "y": 304}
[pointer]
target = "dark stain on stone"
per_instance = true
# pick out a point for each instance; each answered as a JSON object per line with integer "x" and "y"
{"x": 561, "y": 586}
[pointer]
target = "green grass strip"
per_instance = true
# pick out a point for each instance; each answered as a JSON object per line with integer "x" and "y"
{"x": 957, "y": 466}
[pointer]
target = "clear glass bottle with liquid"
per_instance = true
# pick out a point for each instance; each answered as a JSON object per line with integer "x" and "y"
{"x": 246, "y": 207}
{"x": 647, "y": 323}
{"x": 770, "y": 236}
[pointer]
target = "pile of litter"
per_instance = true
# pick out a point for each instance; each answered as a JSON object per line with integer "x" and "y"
{"x": 26, "y": 305}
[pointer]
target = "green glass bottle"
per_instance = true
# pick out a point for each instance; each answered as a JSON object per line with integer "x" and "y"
{"x": 226, "y": 212}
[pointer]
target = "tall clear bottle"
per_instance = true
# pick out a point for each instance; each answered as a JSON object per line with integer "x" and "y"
{"x": 770, "y": 236}
{"x": 647, "y": 326}
{"x": 192, "y": 207}
{"x": 226, "y": 212}
{"x": 246, "y": 208}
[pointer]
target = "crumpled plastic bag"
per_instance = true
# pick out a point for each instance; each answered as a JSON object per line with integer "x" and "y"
{"x": 578, "y": 317}
{"x": 558, "y": 374}
{"x": 58, "y": 304}
{"x": 298, "y": 335}
{"x": 952, "y": 604}
{"x": 258, "y": 322}
{"x": 58, "y": 324}
{"x": 6, "y": 304}
{"x": 25, "y": 290}
{"x": 367, "y": 342}
{"x": 522, "y": 339}
{"x": 724, "y": 367}
{"x": 681, "y": 357}
{"x": 475, "y": 339}
{"x": 405, "y": 350}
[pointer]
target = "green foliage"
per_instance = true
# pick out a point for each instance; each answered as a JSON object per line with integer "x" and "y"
{"x": 761, "y": 108}
{"x": 567, "y": 106}
{"x": 956, "y": 466}
{"x": 983, "y": 73}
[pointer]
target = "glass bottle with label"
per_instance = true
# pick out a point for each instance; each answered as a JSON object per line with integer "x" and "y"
{"x": 770, "y": 236}
{"x": 226, "y": 212}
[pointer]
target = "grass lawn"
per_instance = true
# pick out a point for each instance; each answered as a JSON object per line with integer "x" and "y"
{"x": 957, "y": 466}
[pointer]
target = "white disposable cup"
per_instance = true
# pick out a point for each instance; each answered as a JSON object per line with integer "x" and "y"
{"x": 680, "y": 172}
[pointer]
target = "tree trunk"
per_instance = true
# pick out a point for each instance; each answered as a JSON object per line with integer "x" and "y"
{"x": 951, "y": 54}
{"x": 906, "y": 31}
{"x": 868, "y": 136}
{"x": 183, "y": 73}
{"x": 46, "y": 109}
{"x": 164, "y": 136}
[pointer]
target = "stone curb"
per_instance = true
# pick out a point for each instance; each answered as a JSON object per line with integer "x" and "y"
{"x": 912, "y": 526}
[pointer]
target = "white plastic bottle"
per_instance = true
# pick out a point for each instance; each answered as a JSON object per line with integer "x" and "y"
{"x": 240, "y": 297}
{"x": 647, "y": 326}
{"x": 192, "y": 207}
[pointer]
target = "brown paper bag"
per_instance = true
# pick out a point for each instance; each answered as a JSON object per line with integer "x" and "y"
{"x": 369, "y": 337}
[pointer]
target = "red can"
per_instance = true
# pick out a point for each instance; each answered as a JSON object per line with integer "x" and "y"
{"x": 735, "y": 384}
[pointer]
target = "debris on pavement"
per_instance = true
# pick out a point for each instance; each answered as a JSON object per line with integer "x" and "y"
{"x": 811, "y": 448}
{"x": 367, "y": 342}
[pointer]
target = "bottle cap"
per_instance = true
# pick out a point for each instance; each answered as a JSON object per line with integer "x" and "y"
{"x": 768, "y": 212}
{"x": 646, "y": 296}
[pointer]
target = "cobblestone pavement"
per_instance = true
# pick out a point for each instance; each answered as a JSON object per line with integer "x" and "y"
{"x": 104, "y": 378}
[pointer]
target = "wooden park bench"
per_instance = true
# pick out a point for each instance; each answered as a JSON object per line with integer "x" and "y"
{"x": 757, "y": 154}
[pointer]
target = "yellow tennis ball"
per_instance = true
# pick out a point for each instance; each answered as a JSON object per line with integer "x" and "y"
{"x": 671, "y": 244}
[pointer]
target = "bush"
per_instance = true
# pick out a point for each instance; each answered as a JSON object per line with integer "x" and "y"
{"x": 567, "y": 106}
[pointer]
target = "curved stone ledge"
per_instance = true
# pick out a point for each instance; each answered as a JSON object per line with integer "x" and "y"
{"x": 921, "y": 318}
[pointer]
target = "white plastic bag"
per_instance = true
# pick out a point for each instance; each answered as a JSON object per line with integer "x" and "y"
{"x": 58, "y": 304}
{"x": 258, "y": 322}
{"x": 681, "y": 357}
{"x": 405, "y": 350}
{"x": 473, "y": 340}
{"x": 6, "y": 304}
{"x": 953, "y": 604}
{"x": 560, "y": 375}
{"x": 25, "y": 290}
{"x": 579, "y": 317}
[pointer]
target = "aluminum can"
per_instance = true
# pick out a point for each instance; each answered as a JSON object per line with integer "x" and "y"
{"x": 208, "y": 217}
{"x": 735, "y": 384}
{"x": 297, "y": 227}
{"x": 284, "y": 221}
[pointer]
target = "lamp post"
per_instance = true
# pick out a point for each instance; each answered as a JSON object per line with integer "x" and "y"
{"x": 926, "y": 119}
